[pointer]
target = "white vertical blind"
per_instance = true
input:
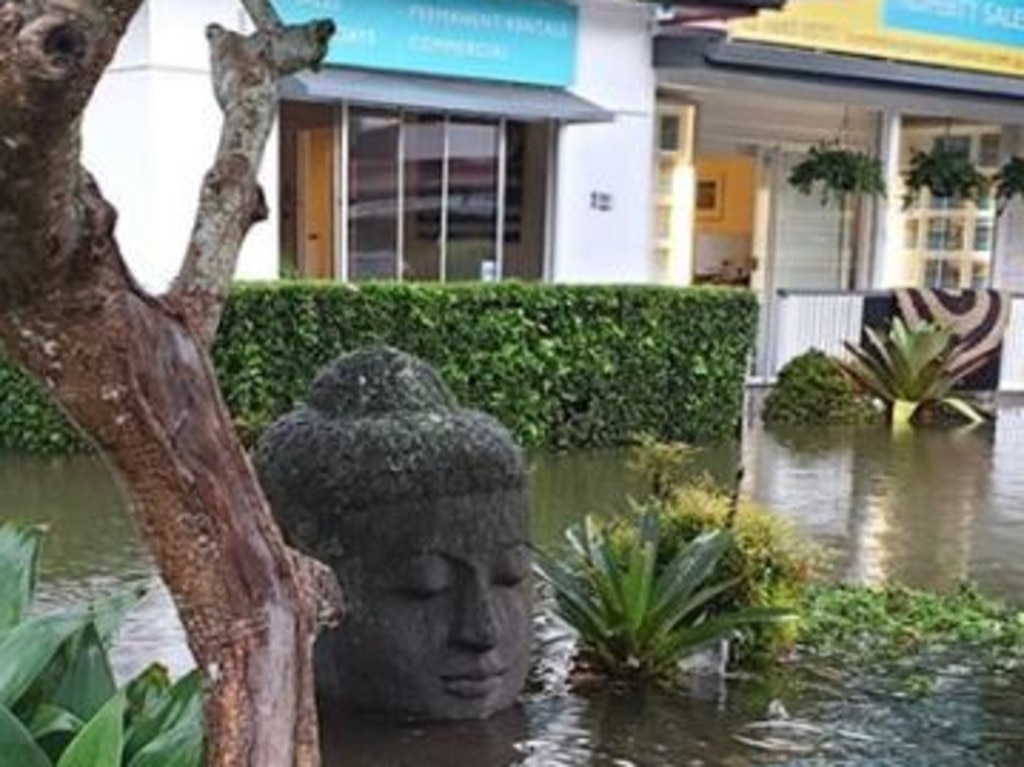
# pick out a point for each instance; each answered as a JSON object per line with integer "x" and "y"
{"x": 807, "y": 254}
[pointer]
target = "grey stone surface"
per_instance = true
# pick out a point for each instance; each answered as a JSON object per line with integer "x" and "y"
{"x": 421, "y": 508}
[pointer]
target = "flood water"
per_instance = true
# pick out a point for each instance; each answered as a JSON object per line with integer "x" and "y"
{"x": 930, "y": 509}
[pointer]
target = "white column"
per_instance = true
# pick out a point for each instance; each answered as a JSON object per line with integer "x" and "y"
{"x": 605, "y": 193}
{"x": 887, "y": 268}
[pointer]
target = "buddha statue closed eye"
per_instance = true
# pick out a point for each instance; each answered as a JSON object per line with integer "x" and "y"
{"x": 421, "y": 509}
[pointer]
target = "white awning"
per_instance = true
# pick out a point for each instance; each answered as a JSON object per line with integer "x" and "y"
{"x": 449, "y": 96}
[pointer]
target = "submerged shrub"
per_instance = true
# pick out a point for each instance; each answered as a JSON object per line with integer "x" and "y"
{"x": 637, "y": 615}
{"x": 771, "y": 564}
{"x": 812, "y": 390}
{"x": 59, "y": 703}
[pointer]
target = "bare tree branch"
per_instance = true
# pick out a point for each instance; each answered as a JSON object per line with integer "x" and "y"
{"x": 52, "y": 54}
{"x": 245, "y": 75}
{"x": 59, "y": 48}
{"x": 263, "y": 14}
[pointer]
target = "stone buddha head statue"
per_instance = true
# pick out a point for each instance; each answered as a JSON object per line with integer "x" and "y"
{"x": 421, "y": 509}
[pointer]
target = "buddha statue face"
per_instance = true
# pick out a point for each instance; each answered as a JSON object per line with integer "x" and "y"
{"x": 421, "y": 509}
{"x": 439, "y": 617}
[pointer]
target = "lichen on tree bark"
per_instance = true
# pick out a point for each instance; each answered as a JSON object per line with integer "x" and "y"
{"x": 133, "y": 369}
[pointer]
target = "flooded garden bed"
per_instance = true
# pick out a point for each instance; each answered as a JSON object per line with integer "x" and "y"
{"x": 930, "y": 510}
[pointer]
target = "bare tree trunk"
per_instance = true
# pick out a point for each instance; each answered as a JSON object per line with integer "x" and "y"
{"x": 133, "y": 370}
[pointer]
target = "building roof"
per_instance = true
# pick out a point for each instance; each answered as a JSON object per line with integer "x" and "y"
{"x": 695, "y": 50}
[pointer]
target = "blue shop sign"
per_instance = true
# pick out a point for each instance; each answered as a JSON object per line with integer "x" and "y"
{"x": 521, "y": 41}
{"x": 995, "y": 22}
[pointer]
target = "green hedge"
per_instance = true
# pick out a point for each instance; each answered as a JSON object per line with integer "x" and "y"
{"x": 29, "y": 422}
{"x": 562, "y": 366}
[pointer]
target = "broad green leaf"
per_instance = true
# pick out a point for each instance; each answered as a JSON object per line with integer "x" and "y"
{"x": 179, "y": 709}
{"x": 688, "y": 570}
{"x": 49, "y": 720}
{"x": 101, "y": 742}
{"x": 109, "y": 613}
{"x": 694, "y": 638}
{"x": 19, "y": 556}
{"x": 147, "y": 691}
{"x": 88, "y": 682}
{"x": 178, "y": 739}
{"x": 964, "y": 409}
{"x": 26, "y": 652}
{"x": 17, "y": 746}
{"x": 182, "y": 747}
{"x": 639, "y": 584}
{"x": 572, "y": 594}
{"x": 668, "y": 619}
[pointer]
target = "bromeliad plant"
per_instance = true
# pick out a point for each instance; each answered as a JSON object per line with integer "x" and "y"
{"x": 908, "y": 368}
{"x": 59, "y": 703}
{"x": 633, "y": 615}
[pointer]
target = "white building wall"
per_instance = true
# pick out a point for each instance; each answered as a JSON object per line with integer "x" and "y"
{"x": 614, "y": 70}
{"x": 152, "y": 129}
{"x": 150, "y": 135}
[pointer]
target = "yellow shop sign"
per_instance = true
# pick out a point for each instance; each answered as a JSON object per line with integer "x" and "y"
{"x": 985, "y": 35}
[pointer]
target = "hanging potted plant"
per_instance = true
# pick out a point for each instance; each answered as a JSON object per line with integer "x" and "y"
{"x": 841, "y": 176}
{"x": 1009, "y": 183}
{"x": 838, "y": 173}
{"x": 944, "y": 172}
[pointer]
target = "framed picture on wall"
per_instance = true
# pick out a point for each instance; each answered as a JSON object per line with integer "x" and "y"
{"x": 710, "y": 198}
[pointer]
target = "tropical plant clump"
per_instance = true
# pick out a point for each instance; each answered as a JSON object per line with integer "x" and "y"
{"x": 838, "y": 173}
{"x": 634, "y": 615}
{"x": 945, "y": 172}
{"x": 909, "y": 368}
{"x": 907, "y": 635}
{"x": 771, "y": 564}
{"x": 59, "y": 703}
{"x": 812, "y": 390}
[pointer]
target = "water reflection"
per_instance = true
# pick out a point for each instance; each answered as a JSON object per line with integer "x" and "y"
{"x": 500, "y": 740}
{"x": 92, "y": 550}
{"x": 929, "y": 509}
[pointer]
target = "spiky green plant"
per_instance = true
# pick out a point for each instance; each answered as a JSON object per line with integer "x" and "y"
{"x": 59, "y": 703}
{"x": 909, "y": 367}
{"x": 634, "y": 616}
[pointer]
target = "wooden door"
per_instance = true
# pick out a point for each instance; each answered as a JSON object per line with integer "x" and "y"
{"x": 317, "y": 209}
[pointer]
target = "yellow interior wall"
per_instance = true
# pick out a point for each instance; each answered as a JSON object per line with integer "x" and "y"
{"x": 737, "y": 175}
